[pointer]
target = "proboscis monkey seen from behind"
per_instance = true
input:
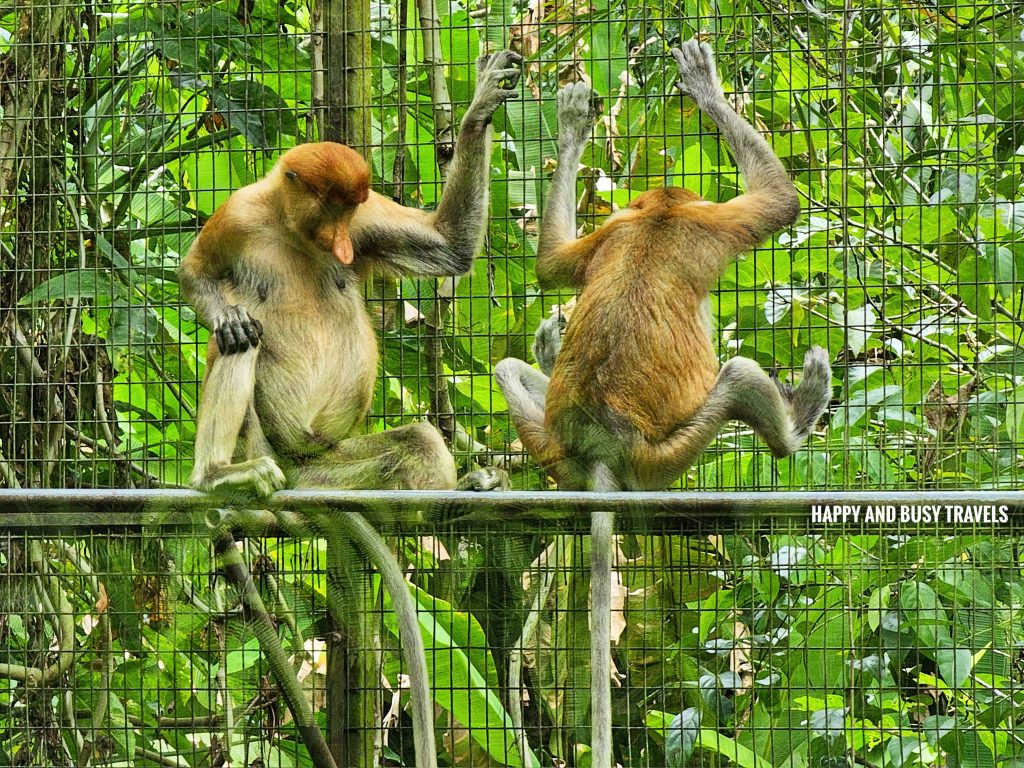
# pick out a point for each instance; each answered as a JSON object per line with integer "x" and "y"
{"x": 636, "y": 393}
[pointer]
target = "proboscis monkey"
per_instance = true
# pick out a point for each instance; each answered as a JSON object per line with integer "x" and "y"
{"x": 636, "y": 393}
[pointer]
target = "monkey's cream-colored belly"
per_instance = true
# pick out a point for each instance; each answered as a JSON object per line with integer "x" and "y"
{"x": 315, "y": 376}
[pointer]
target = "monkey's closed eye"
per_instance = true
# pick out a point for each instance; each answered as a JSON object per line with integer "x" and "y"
{"x": 292, "y": 175}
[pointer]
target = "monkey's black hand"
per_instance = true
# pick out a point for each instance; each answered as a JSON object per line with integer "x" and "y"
{"x": 577, "y": 108}
{"x": 698, "y": 77}
{"x": 236, "y": 331}
{"x": 497, "y": 76}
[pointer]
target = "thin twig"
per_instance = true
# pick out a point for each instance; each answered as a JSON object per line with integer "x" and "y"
{"x": 441, "y": 407}
{"x": 170, "y": 383}
{"x": 96, "y": 445}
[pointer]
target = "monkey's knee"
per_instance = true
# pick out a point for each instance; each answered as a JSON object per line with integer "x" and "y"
{"x": 507, "y": 373}
{"x": 425, "y": 463}
{"x": 525, "y": 390}
{"x": 755, "y": 398}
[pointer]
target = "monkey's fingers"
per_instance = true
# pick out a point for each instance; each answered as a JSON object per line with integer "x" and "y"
{"x": 578, "y": 100}
{"x": 237, "y": 331}
{"x": 226, "y": 341}
{"x": 501, "y": 60}
{"x": 253, "y": 331}
{"x": 506, "y": 80}
{"x": 698, "y": 77}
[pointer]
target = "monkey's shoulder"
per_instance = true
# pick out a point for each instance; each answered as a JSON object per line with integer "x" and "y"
{"x": 246, "y": 211}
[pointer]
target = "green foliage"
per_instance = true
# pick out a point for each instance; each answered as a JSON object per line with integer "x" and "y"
{"x": 902, "y": 124}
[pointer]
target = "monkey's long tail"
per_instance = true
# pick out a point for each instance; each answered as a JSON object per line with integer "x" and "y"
{"x": 413, "y": 652}
{"x": 602, "y": 529}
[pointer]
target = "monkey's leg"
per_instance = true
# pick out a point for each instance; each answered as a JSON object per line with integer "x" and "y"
{"x": 547, "y": 343}
{"x": 224, "y": 408}
{"x": 742, "y": 391}
{"x": 525, "y": 390}
{"x": 412, "y": 457}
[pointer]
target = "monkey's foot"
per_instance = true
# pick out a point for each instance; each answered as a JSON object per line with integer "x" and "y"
{"x": 811, "y": 398}
{"x": 257, "y": 477}
{"x": 484, "y": 479}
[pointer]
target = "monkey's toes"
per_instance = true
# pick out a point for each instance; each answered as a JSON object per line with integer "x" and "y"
{"x": 484, "y": 479}
{"x": 267, "y": 477}
{"x": 817, "y": 363}
{"x": 811, "y": 398}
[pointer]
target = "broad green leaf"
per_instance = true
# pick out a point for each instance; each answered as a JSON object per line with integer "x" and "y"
{"x": 682, "y": 737}
{"x": 87, "y": 284}
{"x": 465, "y": 679}
{"x": 925, "y": 614}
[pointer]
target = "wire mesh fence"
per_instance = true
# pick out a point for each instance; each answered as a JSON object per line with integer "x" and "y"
{"x": 739, "y": 641}
{"x": 824, "y": 641}
{"x": 125, "y": 127}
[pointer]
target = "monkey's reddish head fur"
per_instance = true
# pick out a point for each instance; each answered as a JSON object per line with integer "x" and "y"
{"x": 664, "y": 197}
{"x": 333, "y": 172}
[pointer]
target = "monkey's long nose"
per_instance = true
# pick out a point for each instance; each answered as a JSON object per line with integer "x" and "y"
{"x": 343, "y": 245}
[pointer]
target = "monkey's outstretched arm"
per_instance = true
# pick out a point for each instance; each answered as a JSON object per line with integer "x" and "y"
{"x": 558, "y": 262}
{"x": 771, "y": 202}
{"x": 446, "y": 241}
{"x": 461, "y": 216}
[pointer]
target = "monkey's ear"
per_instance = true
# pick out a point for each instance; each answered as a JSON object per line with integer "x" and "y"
{"x": 292, "y": 175}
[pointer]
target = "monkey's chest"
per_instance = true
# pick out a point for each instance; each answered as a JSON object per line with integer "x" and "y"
{"x": 315, "y": 376}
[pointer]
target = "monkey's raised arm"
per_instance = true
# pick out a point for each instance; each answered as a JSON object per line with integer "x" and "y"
{"x": 446, "y": 241}
{"x": 770, "y": 202}
{"x": 561, "y": 258}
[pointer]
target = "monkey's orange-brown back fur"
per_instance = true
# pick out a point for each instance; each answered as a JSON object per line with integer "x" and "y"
{"x": 639, "y": 346}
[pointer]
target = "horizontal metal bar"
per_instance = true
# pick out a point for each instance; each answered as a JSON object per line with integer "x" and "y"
{"x": 99, "y": 509}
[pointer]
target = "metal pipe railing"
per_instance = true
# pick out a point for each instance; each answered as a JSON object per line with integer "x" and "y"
{"x": 91, "y": 509}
